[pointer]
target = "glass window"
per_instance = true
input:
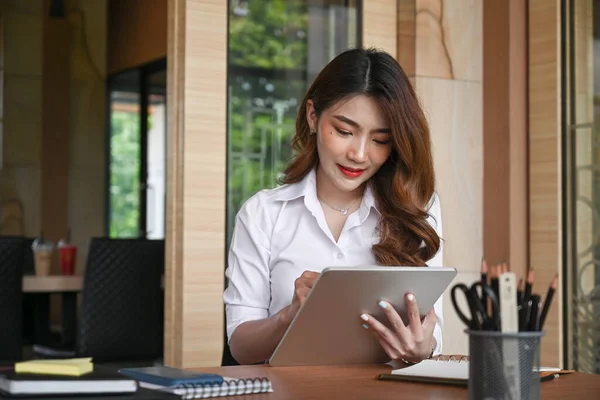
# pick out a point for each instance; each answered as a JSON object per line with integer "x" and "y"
{"x": 137, "y": 148}
{"x": 276, "y": 49}
{"x": 1, "y": 91}
{"x": 582, "y": 183}
{"x": 156, "y": 155}
{"x": 125, "y": 160}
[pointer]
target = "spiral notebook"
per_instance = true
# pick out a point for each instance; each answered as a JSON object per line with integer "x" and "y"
{"x": 452, "y": 370}
{"x": 229, "y": 387}
{"x": 194, "y": 385}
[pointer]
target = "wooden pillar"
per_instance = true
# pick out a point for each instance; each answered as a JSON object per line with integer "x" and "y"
{"x": 505, "y": 198}
{"x": 545, "y": 189}
{"x": 197, "y": 136}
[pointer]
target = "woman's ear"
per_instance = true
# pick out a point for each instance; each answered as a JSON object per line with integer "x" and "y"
{"x": 311, "y": 115}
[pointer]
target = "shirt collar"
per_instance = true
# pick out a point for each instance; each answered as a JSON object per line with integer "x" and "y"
{"x": 369, "y": 198}
{"x": 307, "y": 187}
{"x": 292, "y": 191}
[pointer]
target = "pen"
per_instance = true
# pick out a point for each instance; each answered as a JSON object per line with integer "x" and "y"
{"x": 548, "y": 301}
{"x": 549, "y": 377}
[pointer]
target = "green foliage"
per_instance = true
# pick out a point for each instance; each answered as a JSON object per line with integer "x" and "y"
{"x": 268, "y": 55}
{"x": 265, "y": 43}
{"x": 271, "y": 35}
{"x": 124, "y": 174}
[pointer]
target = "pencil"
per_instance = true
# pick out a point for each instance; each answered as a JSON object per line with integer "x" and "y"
{"x": 520, "y": 292}
{"x": 525, "y": 304}
{"x": 529, "y": 284}
{"x": 484, "y": 272}
{"x": 494, "y": 276}
{"x": 534, "y": 314}
{"x": 548, "y": 300}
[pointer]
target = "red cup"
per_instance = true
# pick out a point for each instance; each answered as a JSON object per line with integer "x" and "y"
{"x": 67, "y": 254}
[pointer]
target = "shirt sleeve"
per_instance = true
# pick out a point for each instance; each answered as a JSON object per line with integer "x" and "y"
{"x": 247, "y": 296}
{"x": 435, "y": 219}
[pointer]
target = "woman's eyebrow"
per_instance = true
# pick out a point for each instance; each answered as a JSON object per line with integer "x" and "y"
{"x": 356, "y": 125}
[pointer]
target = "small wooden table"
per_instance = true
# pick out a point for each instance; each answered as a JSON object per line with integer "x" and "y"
{"x": 359, "y": 382}
{"x": 52, "y": 284}
{"x": 40, "y": 288}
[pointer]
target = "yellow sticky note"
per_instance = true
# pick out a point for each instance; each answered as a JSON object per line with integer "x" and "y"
{"x": 69, "y": 366}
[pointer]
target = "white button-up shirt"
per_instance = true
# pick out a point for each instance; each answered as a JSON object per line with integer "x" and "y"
{"x": 280, "y": 233}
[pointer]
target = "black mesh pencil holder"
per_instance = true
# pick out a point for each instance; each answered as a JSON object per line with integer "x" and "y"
{"x": 504, "y": 365}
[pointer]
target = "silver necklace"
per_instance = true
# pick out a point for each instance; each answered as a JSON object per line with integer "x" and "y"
{"x": 342, "y": 211}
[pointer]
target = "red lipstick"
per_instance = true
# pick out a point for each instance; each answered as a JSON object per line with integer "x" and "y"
{"x": 351, "y": 172}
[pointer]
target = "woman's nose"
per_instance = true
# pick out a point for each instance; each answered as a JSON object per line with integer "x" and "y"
{"x": 359, "y": 152}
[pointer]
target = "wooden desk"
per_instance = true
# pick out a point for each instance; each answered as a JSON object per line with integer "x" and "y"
{"x": 358, "y": 382}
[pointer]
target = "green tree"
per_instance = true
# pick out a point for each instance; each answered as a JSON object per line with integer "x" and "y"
{"x": 268, "y": 53}
{"x": 124, "y": 174}
{"x": 270, "y": 34}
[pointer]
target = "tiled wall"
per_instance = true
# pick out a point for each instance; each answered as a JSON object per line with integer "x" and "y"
{"x": 448, "y": 78}
{"x": 21, "y": 172}
{"x": 22, "y": 97}
{"x": 87, "y": 140}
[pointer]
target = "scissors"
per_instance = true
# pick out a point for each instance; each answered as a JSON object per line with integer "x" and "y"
{"x": 480, "y": 319}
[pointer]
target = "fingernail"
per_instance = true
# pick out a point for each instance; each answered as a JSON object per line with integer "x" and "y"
{"x": 382, "y": 304}
{"x": 365, "y": 326}
{"x": 364, "y": 317}
{"x": 410, "y": 297}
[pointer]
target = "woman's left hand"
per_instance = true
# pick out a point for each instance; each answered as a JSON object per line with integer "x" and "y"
{"x": 413, "y": 342}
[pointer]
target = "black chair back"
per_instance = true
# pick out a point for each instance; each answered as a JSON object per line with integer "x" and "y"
{"x": 12, "y": 252}
{"x": 28, "y": 261}
{"x": 122, "y": 300}
{"x": 29, "y": 298}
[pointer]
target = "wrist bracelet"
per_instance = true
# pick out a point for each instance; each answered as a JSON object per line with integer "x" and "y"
{"x": 406, "y": 362}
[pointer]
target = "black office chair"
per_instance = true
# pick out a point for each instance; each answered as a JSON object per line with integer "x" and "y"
{"x": 12, "y": 252}
{"x": 122, "y": 308}
{"x": 28, "y": 298}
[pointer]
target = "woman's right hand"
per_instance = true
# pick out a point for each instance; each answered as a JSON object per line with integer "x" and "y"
{"x": 302, "y": 286}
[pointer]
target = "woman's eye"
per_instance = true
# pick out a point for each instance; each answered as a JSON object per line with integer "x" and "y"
{"x": 343, "y": 133}
{"x": 382, "y": 142}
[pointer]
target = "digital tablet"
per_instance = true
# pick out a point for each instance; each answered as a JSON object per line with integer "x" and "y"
{"x": 327, "y": 330}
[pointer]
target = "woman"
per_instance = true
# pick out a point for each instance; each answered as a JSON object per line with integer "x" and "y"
{"x": 359, "y": 191}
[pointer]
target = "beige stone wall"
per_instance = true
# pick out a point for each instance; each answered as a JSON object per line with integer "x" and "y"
{"x": 448, "y": 79}
{"x": 88, "y": 119}
{"x": 20, "y": 176}
{"x": 22, "y": 98}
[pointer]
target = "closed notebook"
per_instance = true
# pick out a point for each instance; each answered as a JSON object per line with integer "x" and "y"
{"x": 140, "y": 394}
{"x": 166, "y": 376}
{"x": 191, "y": 385}
{"x": 98, "y": 381}
{"x": 228, "y": 387}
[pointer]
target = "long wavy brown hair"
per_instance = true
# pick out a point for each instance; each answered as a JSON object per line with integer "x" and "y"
{"x": 404, "y": 185}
